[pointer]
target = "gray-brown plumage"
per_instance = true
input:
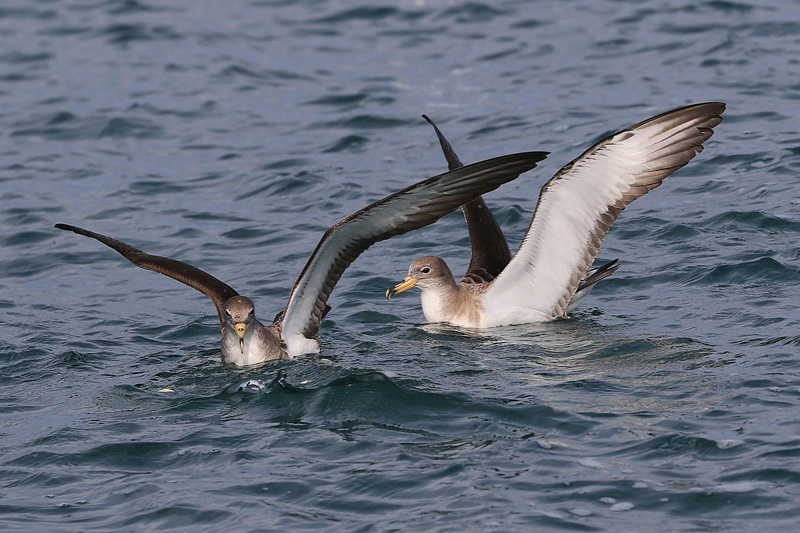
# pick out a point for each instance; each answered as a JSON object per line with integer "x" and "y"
{"x": 247, "y": 341}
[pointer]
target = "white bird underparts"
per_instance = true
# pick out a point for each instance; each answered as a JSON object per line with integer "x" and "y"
{"x": 549, "y": 275}
{"x": 245, "y": 340}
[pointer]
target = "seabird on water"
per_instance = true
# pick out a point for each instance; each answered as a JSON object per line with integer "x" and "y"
{"x": 245, "y": 340}
{"x": 550, "y": 273}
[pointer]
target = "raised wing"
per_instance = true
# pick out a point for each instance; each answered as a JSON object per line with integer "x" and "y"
{"x": 578, "y": 205}
{"x": 218, "y": 291}
{"x": 453, "y": 162}
{"x": 490, "y": 253}
{"x": 411, "y": 208}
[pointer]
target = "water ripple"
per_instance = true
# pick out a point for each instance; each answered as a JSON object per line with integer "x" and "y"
{"x": 231, "y": 135}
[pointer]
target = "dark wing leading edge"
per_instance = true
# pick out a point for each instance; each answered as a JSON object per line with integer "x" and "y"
{"x": 408, "y": 209}
{"x": 579, "y": 204}
{"x": 218, "y": 291}
{"x": 490, "y": 253}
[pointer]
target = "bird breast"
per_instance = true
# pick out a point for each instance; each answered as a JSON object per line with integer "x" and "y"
{"x": 459, "y": 305}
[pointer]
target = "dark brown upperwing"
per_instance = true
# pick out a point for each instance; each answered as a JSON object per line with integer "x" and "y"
{"x": 490, "y": 253}
{"x": 204, "y": 282}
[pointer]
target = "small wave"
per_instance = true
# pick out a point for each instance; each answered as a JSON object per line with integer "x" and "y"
{"x": 126, "y": 127}
{"x": 81, "y": 361}
{"x": 368, "y": 13}
{"x": 127, "y": 33}
{"x": 472, "y": 13}
{"x": 339, "y": 99}
{"x": 285, "y": 185}
{"x": 203, "y": 110}
{"x": 65, "y": 126}
{"x": 27, "y": 13}
{"x": 125, "y": 7}
{"x": 25, "y": 238}
{"x": 16, "y": 58}
{"x": 364, "y": 122}
{"x": 285, "y": 163}
{"x": 348, "y": 143}
{"x": 168, "y": 517}
{"x": 784, "y": 340}
{"x": 675, "y": 233}
{"x": 262, "y": 74}
{"x": 152, "y": 186}
{"x": 364, "y": 398}
{"x": 663, "y": 447}
{"x": 244, "y": 234}
{"x": 732, "y": 221}
{"x": 744, "y": 273}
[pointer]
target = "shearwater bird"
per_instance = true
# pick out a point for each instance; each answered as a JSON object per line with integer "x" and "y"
{"x": 550, "y": 274}
{"x": 490, "y": 252}
{"x": 245, "y": 340}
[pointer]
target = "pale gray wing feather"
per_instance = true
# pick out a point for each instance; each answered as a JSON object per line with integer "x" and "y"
{"x": 579, "y": 204}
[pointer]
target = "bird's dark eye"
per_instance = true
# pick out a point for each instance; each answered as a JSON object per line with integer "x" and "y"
{"x": 425, "y": 270}
{"x": 252, "y": 312}
{"x": 227, "y": 313}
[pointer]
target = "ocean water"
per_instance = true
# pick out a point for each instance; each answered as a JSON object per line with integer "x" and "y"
{"x": 231, "y": 135}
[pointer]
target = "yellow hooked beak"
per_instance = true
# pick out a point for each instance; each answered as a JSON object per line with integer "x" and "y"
{"x": 240, "y": 328}
{"x": 408, "y": 283}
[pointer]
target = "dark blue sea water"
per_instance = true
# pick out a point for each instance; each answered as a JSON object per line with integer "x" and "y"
{"x": 231, "y": 134}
